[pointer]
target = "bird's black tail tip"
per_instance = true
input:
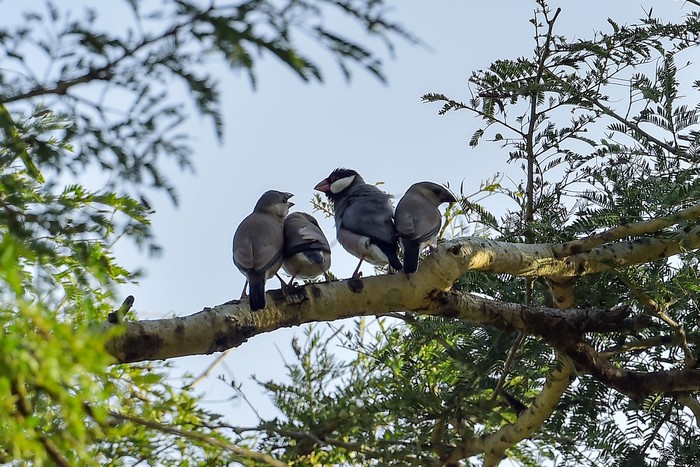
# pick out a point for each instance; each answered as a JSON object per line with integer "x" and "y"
{"x": 390, "y": 252}
{"x": 395, "y": 262}
{"x": 410, "y": 259}
{"x": 315, "y": 257}
{"x": 257, "y": 295}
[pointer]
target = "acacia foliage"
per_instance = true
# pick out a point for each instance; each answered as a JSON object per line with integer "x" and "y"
{"x": 78, "y": 97}
{"x": 605, "y": 133}
{"x": 118, "y": 73}
{"x": 415, "y": 390}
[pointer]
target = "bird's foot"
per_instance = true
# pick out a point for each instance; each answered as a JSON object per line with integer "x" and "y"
{"x": 290, "y": 286}
{"x": 282, "y": 282}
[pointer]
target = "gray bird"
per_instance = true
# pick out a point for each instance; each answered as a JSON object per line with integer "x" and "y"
{"x": 364, "y": 218}
{"x": 307, "y": 253}
{"x": 258, "y": 244}
{"x": 418, "y": 219}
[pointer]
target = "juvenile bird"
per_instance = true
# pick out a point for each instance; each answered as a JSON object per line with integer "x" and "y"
{"x": 418, "y": 219}
{"x": 258, "y": 244}
{"x": 363, "y": 218}
{"x": 307, "y": 253}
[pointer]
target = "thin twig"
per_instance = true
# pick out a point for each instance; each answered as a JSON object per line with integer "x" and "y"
{"x": 103, "y": 73}
{"x": 247, "y": 453}
{"x": 658, "y": 426}
{"x": 508, "y": 363}
{"x": 240, "y": 391}
{"x": 643, "y": 344}
{"x": 692, "y": 403}
{"x": 25, "y": 411}
{"x": 208, "y": 370}
{"x": 118, "y": 316}
{"x": 659, "y": 310}
{"x": 352, "y": 447}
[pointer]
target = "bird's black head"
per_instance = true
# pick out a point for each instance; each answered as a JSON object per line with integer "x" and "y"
{"x": 338, "y": 181}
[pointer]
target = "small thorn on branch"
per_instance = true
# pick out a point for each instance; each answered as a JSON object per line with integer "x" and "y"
{"x": 117, "y": 316}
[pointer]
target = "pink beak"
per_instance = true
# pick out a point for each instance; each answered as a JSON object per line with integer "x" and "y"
{"x": 323, "y": 186}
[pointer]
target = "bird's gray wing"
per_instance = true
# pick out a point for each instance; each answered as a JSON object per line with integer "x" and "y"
{"x": 258, "y": 243}
{"x": 367, "y": 211}
{"x": 311, "y": 234}
{"x": 301, "y": 232}
{"x": 416, "y": 218}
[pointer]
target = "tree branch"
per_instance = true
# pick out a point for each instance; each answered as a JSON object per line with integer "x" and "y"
{"x": 245, "y": 453}
{"x": 626, "y": 231}
{"x": 495, "y": 444}
{"x": 231, "y": 324}
{"x": 643, "y": 344}
{"x": 596, "y": 103}
{"x": 692, "y": 404}
{"x": 103, "y": 73}
{"x": 637, "y": 251}
{"x": 636, "y": 385}
{"x": 534, "y": 320}
{"x": 24, "y": 411}
{"x": 544, "y": 53}
{"x": 61, "y": 87}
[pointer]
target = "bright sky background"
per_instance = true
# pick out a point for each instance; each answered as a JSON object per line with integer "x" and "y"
{"x": 288, "y": 135}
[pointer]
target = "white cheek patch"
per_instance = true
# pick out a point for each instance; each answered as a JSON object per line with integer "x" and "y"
{"x": 341, "y": 184}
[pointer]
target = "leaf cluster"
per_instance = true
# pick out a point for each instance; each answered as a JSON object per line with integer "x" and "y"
{"x": 126, "y": 88}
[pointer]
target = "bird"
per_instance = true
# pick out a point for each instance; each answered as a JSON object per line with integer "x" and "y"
{"x": 418, "y": 219}
{"x": 307, "y": 253}
{"x": 364, "y": 218}
{"x": 258, "y": 244}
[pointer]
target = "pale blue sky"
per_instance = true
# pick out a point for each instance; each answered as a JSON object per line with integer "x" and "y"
{"x": 288, "y": 135}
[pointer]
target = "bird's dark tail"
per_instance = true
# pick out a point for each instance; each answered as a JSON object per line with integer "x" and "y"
{"x": 410, "y": 257}
{"x": 391, "y": 253}
{"x": 256, "y": 284}
{"x": 315, "y": 257}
